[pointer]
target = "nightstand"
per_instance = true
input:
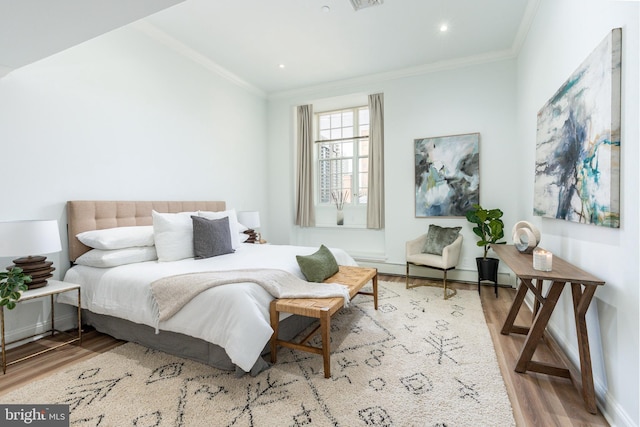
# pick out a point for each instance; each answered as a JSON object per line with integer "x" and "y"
{"x": 53, "y": 288}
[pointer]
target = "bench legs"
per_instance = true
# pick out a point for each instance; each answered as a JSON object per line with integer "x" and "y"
{"x": 325, "y": 327}
{"x": 275, "y": 323}
{"x": 373, "y": 294}
{"x": 319, "y": 309}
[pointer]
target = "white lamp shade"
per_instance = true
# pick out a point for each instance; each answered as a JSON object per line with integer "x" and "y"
{"x": 250, "y": 219}
{"x": 26, "y": 238}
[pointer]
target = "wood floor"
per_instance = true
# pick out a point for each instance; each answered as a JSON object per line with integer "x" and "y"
{"x": 537, "y": 400}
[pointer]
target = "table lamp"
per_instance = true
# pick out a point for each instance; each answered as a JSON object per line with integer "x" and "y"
{"x": 36, "y": 237}
{"x": 251, "y": 220}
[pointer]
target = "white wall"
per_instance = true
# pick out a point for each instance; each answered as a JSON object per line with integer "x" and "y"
{"x": 563, "y": 34}
{"x": 476, "y": 98}
{"x": 121, "y": 117}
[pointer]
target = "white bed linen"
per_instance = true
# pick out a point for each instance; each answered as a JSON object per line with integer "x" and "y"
{"x": 235, "y": 317}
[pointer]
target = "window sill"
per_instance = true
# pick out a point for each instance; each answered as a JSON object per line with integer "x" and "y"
{"x": 346, "y": 226}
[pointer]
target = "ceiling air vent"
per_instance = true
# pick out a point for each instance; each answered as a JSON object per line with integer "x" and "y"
{"x": 361, "y": 4}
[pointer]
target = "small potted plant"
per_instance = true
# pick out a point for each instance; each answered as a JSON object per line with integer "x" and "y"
{"x": 12, "y": 284}
{"x": 490, "y": 229}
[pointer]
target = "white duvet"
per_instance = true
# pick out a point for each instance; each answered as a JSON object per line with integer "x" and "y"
{"x": 235, "y": 316}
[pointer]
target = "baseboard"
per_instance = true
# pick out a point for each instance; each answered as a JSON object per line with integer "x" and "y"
{"x": 35, "y": 331}
{"x": 458, "y": 275}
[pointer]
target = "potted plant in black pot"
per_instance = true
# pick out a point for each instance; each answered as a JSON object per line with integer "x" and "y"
{"x": 490, "y": 229}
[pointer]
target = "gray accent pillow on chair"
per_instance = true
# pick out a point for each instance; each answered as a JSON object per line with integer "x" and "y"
{"x": 438, "y": 238}
{"x": 211, "y": 237}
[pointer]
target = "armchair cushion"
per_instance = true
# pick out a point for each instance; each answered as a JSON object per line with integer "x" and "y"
{"x": 438, "y": 238}
{"x": 448, "y": 259}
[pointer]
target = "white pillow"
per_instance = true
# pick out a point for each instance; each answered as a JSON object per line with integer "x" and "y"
{"x": 173, "y": 234}
{"x": 118, "y": 237}
{"x": 116, "y": 257}
{"x": 233, "y": 223}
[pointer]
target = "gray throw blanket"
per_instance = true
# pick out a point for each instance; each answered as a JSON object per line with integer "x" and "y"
{"x": 171, "y": 293}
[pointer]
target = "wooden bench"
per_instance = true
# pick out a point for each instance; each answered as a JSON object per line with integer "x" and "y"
{"x": 321, "y": 308}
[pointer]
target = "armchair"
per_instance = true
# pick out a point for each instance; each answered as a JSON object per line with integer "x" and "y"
{"x": 445, "y": 262}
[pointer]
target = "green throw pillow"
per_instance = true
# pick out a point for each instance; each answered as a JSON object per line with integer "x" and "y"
{"x": 319, "y": 265}
{"x": 438, "y": 238}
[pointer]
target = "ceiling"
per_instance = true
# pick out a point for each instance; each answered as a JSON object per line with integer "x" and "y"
{"x": 250, "y": 39}
{"x": 34, "y": 29}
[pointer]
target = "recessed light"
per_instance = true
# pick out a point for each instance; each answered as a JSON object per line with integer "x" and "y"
{"x": 280, "y": 65}
{"x": 444, "y": 28}
{"x": 326, "y": 9}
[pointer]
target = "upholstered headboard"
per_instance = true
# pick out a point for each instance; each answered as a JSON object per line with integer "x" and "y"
{"x": 85, "y": 215}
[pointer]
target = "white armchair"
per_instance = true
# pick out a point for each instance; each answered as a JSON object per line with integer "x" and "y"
{"x": 445, "y": 262}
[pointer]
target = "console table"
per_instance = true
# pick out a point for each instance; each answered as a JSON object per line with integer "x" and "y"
{"x": 583, "y": 287}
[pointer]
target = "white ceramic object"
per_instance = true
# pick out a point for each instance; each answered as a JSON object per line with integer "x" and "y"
{"x": 525, "y": 236}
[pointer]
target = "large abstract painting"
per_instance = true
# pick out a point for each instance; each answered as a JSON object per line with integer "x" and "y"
{"x": 577, "y": 175}
{"x": 447, "y": 175}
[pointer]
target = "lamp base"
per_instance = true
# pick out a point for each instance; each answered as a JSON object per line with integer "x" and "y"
{"x": 37, "y": 267}
{"x": 253, "y": 236}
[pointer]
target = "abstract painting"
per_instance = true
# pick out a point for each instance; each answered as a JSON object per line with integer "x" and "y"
{"x": 447, "y": 173}
{"x": 577, "y": 174}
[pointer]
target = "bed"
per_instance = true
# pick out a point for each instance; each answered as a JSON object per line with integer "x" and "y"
{"x": 223, "y": 326}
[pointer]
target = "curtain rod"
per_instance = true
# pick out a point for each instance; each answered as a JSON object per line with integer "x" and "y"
{"x": 342, "y": 139}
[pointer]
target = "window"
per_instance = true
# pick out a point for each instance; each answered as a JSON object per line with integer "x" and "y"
{"x": 343, "y": 155}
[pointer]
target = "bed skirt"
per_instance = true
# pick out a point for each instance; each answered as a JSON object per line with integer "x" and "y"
{"x": 184, "y": 345}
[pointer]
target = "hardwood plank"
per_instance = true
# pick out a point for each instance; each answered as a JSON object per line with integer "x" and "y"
{"x": 537, "y": 399}
{"x": 22, "y": 373}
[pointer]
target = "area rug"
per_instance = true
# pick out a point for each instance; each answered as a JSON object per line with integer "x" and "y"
{"x": 417, "y": 361}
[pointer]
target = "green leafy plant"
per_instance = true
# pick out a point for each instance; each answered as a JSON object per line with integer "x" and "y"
{"x": 488, "y": 226}
{"x": 12, "y": 284}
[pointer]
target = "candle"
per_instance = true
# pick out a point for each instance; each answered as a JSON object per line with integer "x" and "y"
{"x": 542, "y": 260}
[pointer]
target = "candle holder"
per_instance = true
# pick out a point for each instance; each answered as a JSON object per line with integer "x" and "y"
{"x": 542, "y": 260}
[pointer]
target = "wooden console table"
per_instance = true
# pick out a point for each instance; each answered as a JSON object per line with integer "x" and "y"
{"x": 583, "y": 287}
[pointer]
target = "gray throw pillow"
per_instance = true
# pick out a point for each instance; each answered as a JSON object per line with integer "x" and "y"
{"x": 439, "y": 237}
{"x": 211, "y": 237}
{"x": 319, "y": 265}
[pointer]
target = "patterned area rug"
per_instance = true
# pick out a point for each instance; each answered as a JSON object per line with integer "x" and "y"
{"x": 417, "y": 361}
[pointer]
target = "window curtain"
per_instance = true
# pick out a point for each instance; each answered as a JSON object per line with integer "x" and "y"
{"x": 305, "y": 210}
{"x": 375, "y": 198}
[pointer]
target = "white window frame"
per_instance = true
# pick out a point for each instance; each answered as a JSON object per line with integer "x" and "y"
{"x": 355, "y": 198}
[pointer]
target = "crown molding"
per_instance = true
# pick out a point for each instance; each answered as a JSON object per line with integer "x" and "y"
{"x": 525, "y": 25}
{"x": 521, "y": 35}
{"x": 399, "y": 74}
{"x": 160, "y": 36}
